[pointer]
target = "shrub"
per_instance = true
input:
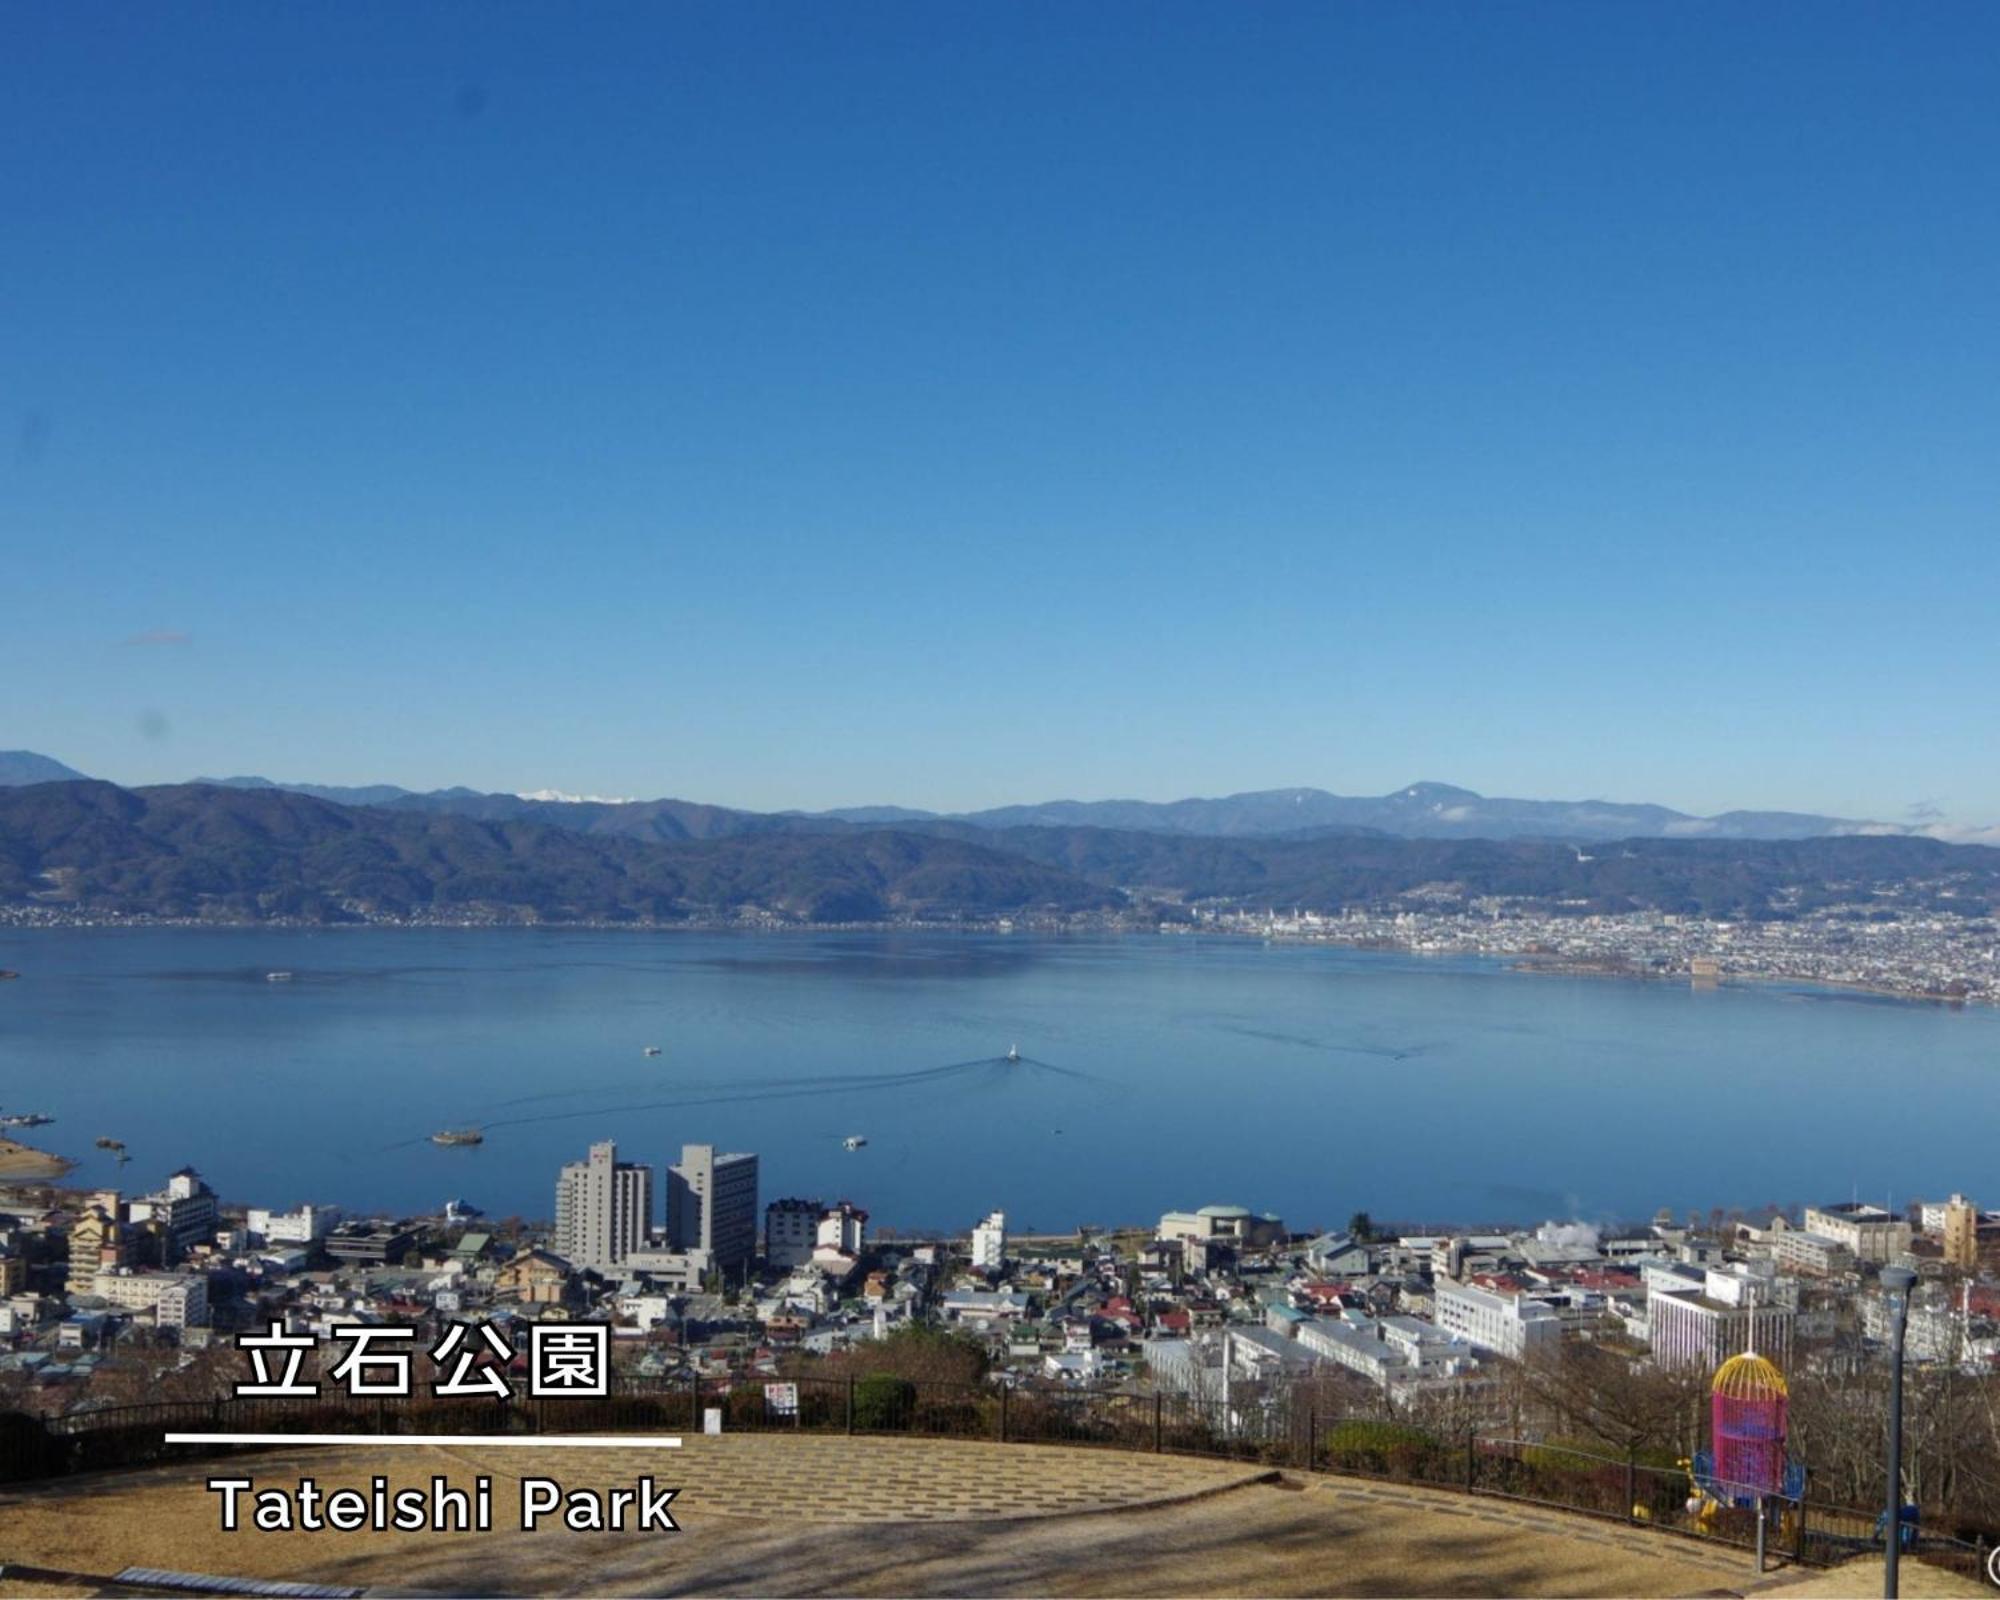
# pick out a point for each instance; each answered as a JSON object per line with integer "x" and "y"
{"x": 883, "y": 1402}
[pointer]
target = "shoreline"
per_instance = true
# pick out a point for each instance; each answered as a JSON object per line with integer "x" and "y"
{"x": 1559, "y": 967}
{"x": 1521, "y": 961}
{"x": 24, "y": 1163}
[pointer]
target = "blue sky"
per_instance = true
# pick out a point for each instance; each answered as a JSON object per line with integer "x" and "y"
{"x": 814, "y": 405}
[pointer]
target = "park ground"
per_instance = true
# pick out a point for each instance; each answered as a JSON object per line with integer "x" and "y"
{"x": 776, "y": 1515}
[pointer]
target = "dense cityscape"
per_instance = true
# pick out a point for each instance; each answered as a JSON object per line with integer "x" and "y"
{"x": 1915, "y": 956}
{"x": 110, "y": 1296}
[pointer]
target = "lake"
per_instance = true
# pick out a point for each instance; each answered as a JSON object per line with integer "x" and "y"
{"x": 1157, "y": 1073}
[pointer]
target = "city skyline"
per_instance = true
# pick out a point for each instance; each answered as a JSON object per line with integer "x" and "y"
{"x": 807, "y": 411}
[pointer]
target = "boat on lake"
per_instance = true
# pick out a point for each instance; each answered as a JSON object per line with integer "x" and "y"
{"x": 854, "y": 1141}
{"x": 458, "y": 1136}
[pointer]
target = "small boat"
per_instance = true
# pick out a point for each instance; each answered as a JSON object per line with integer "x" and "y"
{"x": 652, "y": 1049}
{"x": 1013, "y": 1053}
{"x": 111, "y": 1144}
{"x": 458, "y": 1136}
{"x": 26, "y": 1119}
{"x": 277, "y": 977}
{"x": 854, "y": 1141}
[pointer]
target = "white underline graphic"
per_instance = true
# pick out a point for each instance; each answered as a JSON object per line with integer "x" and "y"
{"x": 556, "y": 1441}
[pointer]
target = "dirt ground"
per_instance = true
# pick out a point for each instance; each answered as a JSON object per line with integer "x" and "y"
{"x": 887, "y": 1518}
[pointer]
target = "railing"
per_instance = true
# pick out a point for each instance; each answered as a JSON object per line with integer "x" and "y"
{"x": 1280, "y": 1431}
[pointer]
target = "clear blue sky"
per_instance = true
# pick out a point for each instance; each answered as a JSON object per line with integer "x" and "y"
{"x": 954, "y": 404}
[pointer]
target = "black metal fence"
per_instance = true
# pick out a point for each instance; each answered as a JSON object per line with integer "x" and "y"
{"x": 1278, "y": 1430}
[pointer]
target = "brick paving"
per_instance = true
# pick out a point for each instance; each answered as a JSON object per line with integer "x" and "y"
{"x": 827, "y": 1515}
{"x": 831, "y": 1478}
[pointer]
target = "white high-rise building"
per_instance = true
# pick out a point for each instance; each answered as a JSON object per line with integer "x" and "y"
{"x": 842, "y": 1231}
{"x": 989, "y": 1243}
{"x": 185, "y": 1211}
{"x": 712, "y": 1206}
{"x": 604, "y": 1209}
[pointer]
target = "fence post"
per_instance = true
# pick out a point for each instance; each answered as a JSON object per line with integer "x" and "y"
{"x": 1799, "y": 1534}
{"x": 850, "y": 1402}
{"x": 1471, "y": 1462}
{"x": 1312, "y": 1436}
{"x": 1631, "y": 1484}
{"x": 1159, "y": 1433}
{"x": 1003, "y": 1413}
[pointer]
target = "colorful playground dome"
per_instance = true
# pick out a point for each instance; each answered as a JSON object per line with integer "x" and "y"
{"x": 1748, "y": 1407}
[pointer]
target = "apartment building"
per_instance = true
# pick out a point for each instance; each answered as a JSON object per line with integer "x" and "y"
{"x": 604, "y": 1209}
{"x": 1511, "y": 1324}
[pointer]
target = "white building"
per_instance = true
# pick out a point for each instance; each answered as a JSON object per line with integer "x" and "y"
{"x": 712, "y": 1205}
{"x": 307, "y": 1225}
{"x": 1231, "y": 1225}
{"x": 984, "y": 1306}
{"x": 1815, "y": 1254}
{"x": 1392, "y": 1352}
{"x": 183, "y": 1304}
{"x": 604, "y": 1209}
{"x": 989, "y": 1243}
{"x": 842, "y": 1233}
{"x": 1870, "y": 1232}
{"x": 176, "y": 1299}
{"x": 185, "y": 1210}
{"x": 1509, "y": 1323}
{"x": 1691, "y": 1327}
{"x": 791, "y": 1229}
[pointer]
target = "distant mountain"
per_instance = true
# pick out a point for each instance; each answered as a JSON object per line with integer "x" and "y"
{"x": 1421, "y": 811}
{"x": 240, "y": 854}
{"x": 24, "y": 766}
{"x": 247, "y": 853}
{"x": 368, "y": 794}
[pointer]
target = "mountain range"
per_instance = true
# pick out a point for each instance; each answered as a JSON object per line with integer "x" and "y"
{"x": 1420, "y": 811}
{"x": 228, "y": 853}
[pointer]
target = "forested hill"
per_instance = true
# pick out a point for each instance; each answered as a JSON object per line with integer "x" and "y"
{"x": 233, "y": 853}
{"x": 197, "y": 850}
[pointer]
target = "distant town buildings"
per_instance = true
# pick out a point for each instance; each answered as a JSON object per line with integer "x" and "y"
{"x": 989, "y": 1243}
{"x": 1872, "y": 1234}
{"x": 1220, "y": 1304}
{"x": 1960, "y": 1228}
{"x": 1233, "y": 1225}
{"x": 1512, "y": 1324}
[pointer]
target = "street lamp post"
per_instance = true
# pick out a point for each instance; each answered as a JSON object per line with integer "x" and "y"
{"x": 1896, "y": 1282}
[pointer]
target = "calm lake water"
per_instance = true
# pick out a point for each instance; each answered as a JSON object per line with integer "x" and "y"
{"x": 1158, "y": 1073}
